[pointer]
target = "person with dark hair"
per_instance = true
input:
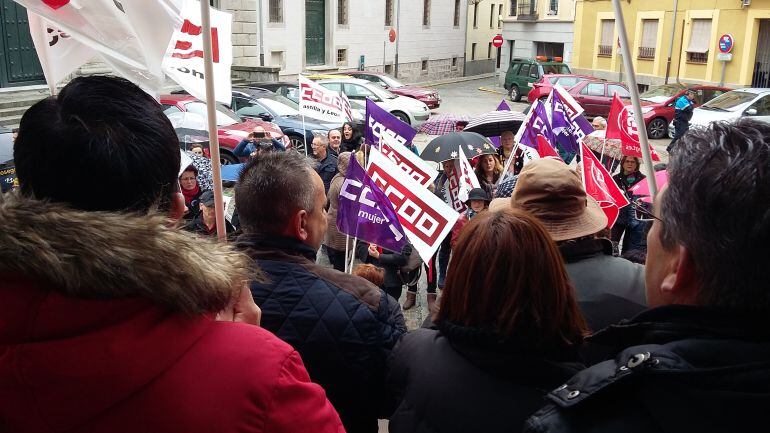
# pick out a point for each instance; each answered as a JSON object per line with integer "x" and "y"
{"x": 699, "y": 359}
{"x": 506, "y": 151}
{"x": 627, "y": 226}
{"x": 478, "y": 201}
{"x": 683, "y": 110}
{"x": 191, "y": 191}
{"x": 351, "y": 138}
{"x": 488, "y": 171}
{"x": 608, "y": 289}
{"x": 343, "y": 326}
{"x": 327, "y": 161}
{"x": 257, "y": 141}
{"x": 197, "y": 149}
{"x": 507, "y": 330}
{"x": 108, "y": 310}
{"x": 334, "y": 242}
{"x": 391, "y": 262}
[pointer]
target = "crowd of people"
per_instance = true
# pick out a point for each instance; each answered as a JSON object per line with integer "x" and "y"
{"x": 114, "y": 319}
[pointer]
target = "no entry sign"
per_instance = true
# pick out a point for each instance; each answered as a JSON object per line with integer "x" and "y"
{"x": 497, "y": 41}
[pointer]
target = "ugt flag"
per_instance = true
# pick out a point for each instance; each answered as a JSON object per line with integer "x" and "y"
{"x": 405, "y": 159}
{"x": 621, "y": 125}
{"x": 426, "y": 219}
{"x": 381, "y": 123}
{"x": 321, "y": 103}
{"x": 364, "y": 211}
{"x": 599, "y": 185}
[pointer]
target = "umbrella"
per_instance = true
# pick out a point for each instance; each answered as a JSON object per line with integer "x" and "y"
{"x": 643, "y": 187}
{"x": 494, "y": 123}
{"x": 232, "y": 172}
{"x": 189, "y": 127}
{"x": 505, "y": 188}
{"x": 609, "y": 147}
{"x": 203, "y": 164}
{"x": 446, "y": 147}
{"x": 443, "y": 124}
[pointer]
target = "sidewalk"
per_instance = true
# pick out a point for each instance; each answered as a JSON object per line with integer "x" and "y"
{"x": 497, "y": 90}
{"x": 454, "y": 80}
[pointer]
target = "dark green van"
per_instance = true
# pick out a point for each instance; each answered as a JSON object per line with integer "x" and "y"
{"x": 523, "y": 72}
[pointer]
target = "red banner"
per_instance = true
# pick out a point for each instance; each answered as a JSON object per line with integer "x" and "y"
{"x": 621, "y": 125}
{"x": 599, "y": 185}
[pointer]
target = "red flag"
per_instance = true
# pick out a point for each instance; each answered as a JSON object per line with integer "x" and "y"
{"x": 621, "y": 125}
{"x": 545, "y": 149}
{"x": 599, "y": 185}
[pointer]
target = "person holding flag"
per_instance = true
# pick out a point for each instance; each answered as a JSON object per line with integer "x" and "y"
{"x": 627, "y": 225}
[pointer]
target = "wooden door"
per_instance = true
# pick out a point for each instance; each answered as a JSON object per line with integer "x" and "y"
{"x": 18, "y": 60}
{"x": 315, "y": 32}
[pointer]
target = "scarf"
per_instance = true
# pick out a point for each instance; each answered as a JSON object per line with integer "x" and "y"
{"x": 191, "y": 194}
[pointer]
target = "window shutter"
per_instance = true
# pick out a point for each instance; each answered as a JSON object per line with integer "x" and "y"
{"x": 649, "y": 33}
{"x": 700, "y": 37}
{"x": 608, "y": 28}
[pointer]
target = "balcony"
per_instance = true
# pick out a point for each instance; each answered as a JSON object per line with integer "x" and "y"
{"x": 527, "y": 11}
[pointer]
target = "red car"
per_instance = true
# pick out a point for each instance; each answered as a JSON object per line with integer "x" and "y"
{"x": 231, "y": 128}
{"x": 658, "y": 104}
{"x": 429, "y": 97}
{"x": 541, "y": 89}
{"x": 596, "y": 96}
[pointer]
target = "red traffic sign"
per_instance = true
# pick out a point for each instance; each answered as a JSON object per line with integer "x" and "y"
{"x": 392, "y": 35}
{"x": 497, "y": 41}
{"x": 726, "y": 43}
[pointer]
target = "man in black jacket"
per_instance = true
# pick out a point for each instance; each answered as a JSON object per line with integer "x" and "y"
{"x": 343, "y": 326}
{"x": 699, "y": 360}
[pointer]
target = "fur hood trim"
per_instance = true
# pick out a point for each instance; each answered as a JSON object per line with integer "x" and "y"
{"x": 103, "y": 255}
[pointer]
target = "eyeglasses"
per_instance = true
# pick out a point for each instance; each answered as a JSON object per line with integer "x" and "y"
{"x": 186, "y": 179}
{"x": 643, "y": 212}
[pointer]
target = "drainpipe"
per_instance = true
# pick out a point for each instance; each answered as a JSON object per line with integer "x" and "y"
{"x": 681, "y": 47}
{"x": 261, "y": 34}
{"x": 398, "y": 38}
{"x": 671, "y": 43}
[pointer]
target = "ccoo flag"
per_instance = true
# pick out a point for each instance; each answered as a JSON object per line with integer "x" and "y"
{"x": 364, "y": 211}
{"x": 381, "y": 123}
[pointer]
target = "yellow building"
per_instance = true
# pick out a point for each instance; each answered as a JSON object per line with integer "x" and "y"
{"x": 692, "y": 39}
{"x": 484, "y": 23}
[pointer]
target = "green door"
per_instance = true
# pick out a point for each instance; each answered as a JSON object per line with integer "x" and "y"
{"x": 18, "y": 60}
{"x": 315, "y": 32}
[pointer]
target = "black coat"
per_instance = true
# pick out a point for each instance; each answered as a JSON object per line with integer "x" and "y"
{"x": 327, "y": 169}
{"x": 456, "y": 379}
{"x": 343, "y": 326}
{"x": 390, "y": 262}
{"x": 676, "y": 369}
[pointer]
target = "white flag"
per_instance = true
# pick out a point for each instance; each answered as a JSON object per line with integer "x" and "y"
{"x": 183, "y": 61}
{"x": 466, "y": 177}
{"x": 321, "y": 103}
{"x": 426, "y": 219}
{"x": 406, "y": 160}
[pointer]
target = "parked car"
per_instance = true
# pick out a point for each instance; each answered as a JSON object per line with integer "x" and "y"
{"x": 542, "y": 89}
{"x": 231, "y": 128}
{"x": 658, "y": 104}
{"x": 7, "y": 169}
{"x": 523, "y": 72}
{"x": 264, "y": 105}
{"x": 429, "y": 97}
{"x": 596, "y": 96}
{"x": 408, "y": 110}
{"x": 730, "y": 106}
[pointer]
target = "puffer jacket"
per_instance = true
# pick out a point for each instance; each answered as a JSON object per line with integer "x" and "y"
{"x": 676, "y": 369}
{"x": 461, "y": 379}
{"x": 335, "y": 239}
{"x": 87, "y": 343}
{"x": 343, "y": 326}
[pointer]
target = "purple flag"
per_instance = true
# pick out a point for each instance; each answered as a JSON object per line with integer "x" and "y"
{"x": 502, "y": 107}
{"x": 379, "y": 121}
{"x": 365, "y": 212}
{"x": 537, "y": 123}
{"x": 568, "y": 133}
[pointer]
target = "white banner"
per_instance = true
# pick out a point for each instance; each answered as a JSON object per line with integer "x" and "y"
{"x": 321, "y": 103}
{"x": 183, "y": 61}
{"x": 425, "y": 218}
{"x": 405, "y": 159}
{"x": 461, "y": 181}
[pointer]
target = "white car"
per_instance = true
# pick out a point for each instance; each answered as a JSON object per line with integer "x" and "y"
{"x": 731, "y": 106}
{"x": 409, "y": 110}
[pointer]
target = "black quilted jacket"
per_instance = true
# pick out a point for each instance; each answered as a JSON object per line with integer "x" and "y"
{"x": 343, "y": 326}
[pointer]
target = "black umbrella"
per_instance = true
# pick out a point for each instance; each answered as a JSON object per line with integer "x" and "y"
{"x": 494, "y": 123}
{"x": 447, "y": 146}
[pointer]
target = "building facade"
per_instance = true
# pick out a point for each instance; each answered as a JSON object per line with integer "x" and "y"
{"x": 538, "y": 28}
{"x": 485, "y": 21}
{"x": 691, "y": 39}
{"x": 327, "y": 35}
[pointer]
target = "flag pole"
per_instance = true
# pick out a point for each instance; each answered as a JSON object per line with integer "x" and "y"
{"x": 219, "y": 208}
{"x": 353, "y": 256}
{"x": 347, "y": 242}
{"x": 634, "y": 90}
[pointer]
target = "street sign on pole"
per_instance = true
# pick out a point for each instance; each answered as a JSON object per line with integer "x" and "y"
{"x": 497, "y": 41}
{"x": 726, "y": 43}
{"x": 392, "y": 35}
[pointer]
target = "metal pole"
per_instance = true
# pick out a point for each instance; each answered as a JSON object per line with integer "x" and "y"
{"x": 671, "y": 43}
{"x": 384, "y": 44}
{"x": 722, "y": 77}
{"x": 634, "y": 90}
{"x": 260, "y": 10}
{"x": 211, "y": 111}
{"x": 398, "y": 37}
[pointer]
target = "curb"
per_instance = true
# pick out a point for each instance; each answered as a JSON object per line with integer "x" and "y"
{"x": 454, "y": 80}
{"x": 487, "y": 89}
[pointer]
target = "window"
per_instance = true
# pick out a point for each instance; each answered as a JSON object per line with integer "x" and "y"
{"x": 649, "y": 39}
{"x": 388, "y": 13}
{"x": 499, "y": 16}
{"x": 553, "y": 7}
{"x": 549, "y": 49}
{"x": 424, "y": 66}
{"x": 276, "y": 58}
{"x": 337, "y": 87}
{"x": 342, "y": 57}
{"x": 426, "y": 12}
{"x": 700, "y": 37}
{"x": 457, "y": 13}
{"x": 762, "y": 106}
{"x": 473, "y": 51}
{"x": 169, "y": 109}
{"x": 709, "y": 94}
{"x": 620, "y": 90}
{"x": 475, "y": 15}
{"x": 354, "y": 91}
{"x": 605, "y": 45}
{"x": 534, "y": 71}
{"x": 342, "y": 12}
{"x": 514, "y": 7}
{"x": 489, "y": 50}
{"x": 593, "y": 89}
{"x": 276, "y": 11}
{"x": 524, "y": 71}
{"x": 492, "y": 16}
{"x": 389, "y": 68}
{"x": 454, "y": 62}
{"x": 515, "y": 68}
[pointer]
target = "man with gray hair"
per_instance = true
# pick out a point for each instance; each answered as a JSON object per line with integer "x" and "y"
{"x": 327, "y": 161}
{"x": 343, "y": 326}
{"x": 699, "y": 359}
